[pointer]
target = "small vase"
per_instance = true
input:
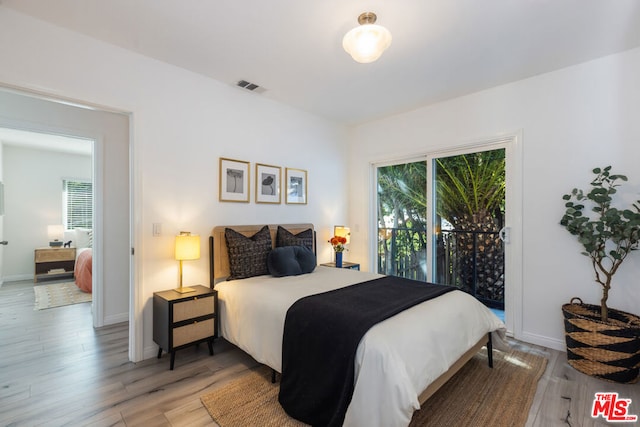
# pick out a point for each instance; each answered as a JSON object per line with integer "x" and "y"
{"x": 338, "y": 259}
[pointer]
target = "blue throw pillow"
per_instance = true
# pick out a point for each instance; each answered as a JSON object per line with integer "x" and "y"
{"x": 291, "y": 261}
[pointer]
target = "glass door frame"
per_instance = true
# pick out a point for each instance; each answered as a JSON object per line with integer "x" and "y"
{"x": 512, "y": 144}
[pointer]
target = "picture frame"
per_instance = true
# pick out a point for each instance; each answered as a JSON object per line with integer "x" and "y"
{"x": 268, "y": 180}
{"x": 296, "y": 180}
{"x": 234, "y": 180}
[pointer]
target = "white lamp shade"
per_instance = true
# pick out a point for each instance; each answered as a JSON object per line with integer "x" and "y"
{"x": 367, "y": 42}
{"x": 187, "y": 247}
{"x": 55, "y": 232}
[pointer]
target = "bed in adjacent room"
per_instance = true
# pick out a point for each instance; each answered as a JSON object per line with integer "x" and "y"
{"x": 82, "y": 240}
{"x": 398, "y": 363}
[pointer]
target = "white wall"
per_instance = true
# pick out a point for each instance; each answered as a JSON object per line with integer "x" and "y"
{"x": 572, "y": 120}
{"x": 182, "y": 123}
{"x": 33, "y": 196}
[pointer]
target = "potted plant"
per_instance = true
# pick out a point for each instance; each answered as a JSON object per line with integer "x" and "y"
{"x": 602, "y": 341}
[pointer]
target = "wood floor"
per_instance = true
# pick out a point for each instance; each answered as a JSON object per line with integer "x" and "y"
{"x": 55, "y": 370}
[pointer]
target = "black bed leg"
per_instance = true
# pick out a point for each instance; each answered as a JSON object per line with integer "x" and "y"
{"x": 490, "y": 350}
{"x": 273, "y": 376}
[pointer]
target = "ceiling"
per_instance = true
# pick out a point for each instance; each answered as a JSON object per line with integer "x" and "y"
{"x": 43, "y": 141}
{"x": 441, "y": 48}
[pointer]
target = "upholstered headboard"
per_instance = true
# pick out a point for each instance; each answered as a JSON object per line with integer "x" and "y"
{"x": 219, "y": 256}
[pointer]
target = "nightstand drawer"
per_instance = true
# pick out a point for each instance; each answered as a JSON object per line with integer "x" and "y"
{"x": 194, "y": 308}
{"x": 193, "y": 332}
{"x": 49, "y": 255}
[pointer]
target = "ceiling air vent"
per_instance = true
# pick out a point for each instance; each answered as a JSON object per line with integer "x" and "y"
{"x": 251, "y": 87}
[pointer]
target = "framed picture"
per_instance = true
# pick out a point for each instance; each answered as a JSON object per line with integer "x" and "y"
{"x": 234, "y": 180}
{"x": 267, "y": 183}
{"x": 296, "y": 186}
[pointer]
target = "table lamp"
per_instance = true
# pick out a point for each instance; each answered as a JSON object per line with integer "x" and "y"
{"x": 187, "y": 248}
{"x": 342, "y": 231}
{"x": 55, "y": 233}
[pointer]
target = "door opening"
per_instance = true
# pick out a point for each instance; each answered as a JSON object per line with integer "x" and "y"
{"x": 447, "y": 217}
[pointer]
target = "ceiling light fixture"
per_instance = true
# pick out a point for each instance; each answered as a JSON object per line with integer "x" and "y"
{"x": 367, "y": 42}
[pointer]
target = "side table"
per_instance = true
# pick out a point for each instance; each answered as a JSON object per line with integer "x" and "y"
{"x": 53, "y": 262}
{"x": 345, "y": 264}
{"x": 182, "y": 320}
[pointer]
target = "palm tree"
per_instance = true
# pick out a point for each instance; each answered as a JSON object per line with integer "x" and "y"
{"x": 402, "y": 200}
{"x": 471, "y": 193}
{"x": 471, "y": 185}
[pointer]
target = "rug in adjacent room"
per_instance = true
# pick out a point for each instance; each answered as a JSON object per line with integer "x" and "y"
{"x": 476, "y": 395}
{"x": 59, "y": 294}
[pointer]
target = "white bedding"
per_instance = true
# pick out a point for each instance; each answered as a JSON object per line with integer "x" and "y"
{"x": 395, "y": 361}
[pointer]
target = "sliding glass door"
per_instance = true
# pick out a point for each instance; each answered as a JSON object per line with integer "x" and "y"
{"x": 468, "y": 212}
{"x": 439, "y": 219}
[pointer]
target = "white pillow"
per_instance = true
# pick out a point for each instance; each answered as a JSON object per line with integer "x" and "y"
{"x": 70, "y": 235}
{"x": 84, "y": 238}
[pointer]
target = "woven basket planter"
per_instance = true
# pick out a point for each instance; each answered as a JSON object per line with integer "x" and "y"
{"x": 608, "y": 350}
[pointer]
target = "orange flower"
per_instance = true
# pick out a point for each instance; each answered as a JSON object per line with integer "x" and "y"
{"x": 338, "y": 243}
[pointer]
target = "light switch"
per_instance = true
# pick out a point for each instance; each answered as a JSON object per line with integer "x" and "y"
{"x": 157, "y": 229}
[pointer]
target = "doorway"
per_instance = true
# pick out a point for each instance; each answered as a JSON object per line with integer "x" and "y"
{"x": 38, "y": 172}
{"x": 41, "y": 173}
{"x": 453, "y": 217}
{"x": 111, "y": 170}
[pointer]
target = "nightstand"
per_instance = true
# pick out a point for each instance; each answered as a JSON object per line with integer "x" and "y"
{"x": 345, "y": 264}
{"x": 182, "y": 320}
{"x": 53, "y": 262}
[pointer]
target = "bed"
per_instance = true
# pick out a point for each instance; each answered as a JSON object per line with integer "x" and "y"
{"x": 82, "y": 240}
{"x": 414, "y": 364}
{"x": 83, "y": 271}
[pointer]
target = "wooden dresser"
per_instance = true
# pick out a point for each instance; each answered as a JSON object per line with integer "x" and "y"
{"x": 184, "y": 319}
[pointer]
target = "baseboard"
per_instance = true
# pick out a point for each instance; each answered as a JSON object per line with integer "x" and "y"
{"x": 116, "y": 318}
{"x": 17, "y": 278}
{"x": 543, "y": 341}
{"x": 149, "y": 352}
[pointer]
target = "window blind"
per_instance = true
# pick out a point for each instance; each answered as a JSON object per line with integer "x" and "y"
{"x": 78, "y": 204}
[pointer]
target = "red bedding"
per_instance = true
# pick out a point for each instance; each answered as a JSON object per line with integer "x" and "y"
{"x": 82, "y": 271}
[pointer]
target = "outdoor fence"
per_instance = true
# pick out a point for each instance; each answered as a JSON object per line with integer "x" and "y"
{"x": 472, "y": 261}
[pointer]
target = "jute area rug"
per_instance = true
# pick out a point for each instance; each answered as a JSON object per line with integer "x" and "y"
{"x": 59, "y": 294}
{"x": 476, "y": 396}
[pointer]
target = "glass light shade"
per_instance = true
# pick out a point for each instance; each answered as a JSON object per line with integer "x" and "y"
{"x": 342, "y": 231}
{"x": 187, "y": 247}
{"x": 55, "y": 232}
{"x": 367, "y": 42}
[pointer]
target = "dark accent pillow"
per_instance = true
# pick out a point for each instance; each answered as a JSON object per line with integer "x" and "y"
{"x": 291, "y": 261}
{"x": 248, "y": 255}
{"x": 285, "y": 238}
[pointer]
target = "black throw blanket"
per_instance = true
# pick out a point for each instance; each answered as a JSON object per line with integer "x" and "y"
{"x": 321, "y": 335}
